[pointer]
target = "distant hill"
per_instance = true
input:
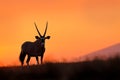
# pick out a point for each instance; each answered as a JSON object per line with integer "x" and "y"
{"x": 105, "y": 53}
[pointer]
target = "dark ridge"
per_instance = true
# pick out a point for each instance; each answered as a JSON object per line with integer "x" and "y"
{"x": 87, "y": 70}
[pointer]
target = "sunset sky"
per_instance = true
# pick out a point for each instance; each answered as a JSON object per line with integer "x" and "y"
{"x": 76, "y": 27}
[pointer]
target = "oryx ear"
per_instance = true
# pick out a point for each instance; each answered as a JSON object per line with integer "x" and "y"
{"x": 37, "y": 37}
{"x": 48, "y": 37}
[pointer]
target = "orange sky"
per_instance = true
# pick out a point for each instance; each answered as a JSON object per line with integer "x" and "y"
{"x": 76, "y": 27}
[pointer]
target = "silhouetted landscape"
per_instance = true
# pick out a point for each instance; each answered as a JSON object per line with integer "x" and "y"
{"x": 87, "y": 70}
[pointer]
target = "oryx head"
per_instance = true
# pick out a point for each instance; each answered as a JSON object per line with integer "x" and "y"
{"x": 42, "y": 38}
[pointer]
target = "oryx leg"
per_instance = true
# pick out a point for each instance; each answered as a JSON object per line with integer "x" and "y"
{"x": 37, "y": 59}
{"x": 28, "y": 59}
{"x": 41, "y": 59}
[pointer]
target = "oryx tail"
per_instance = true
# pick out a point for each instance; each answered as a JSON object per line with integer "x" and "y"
{"x": 22, "y": 57}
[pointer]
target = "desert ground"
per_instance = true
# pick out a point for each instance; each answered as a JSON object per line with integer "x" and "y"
{"x": 87, "y": 70}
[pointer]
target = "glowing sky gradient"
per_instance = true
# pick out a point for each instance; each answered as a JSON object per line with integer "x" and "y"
{"x": 76, "y": 27}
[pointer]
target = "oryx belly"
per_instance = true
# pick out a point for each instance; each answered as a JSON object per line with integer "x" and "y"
{"x": 35, "y": 54}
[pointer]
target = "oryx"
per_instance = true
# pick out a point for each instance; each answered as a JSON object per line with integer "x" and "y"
{"x": 34, "y": 49}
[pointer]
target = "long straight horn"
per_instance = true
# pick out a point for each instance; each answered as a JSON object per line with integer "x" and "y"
{"x": 45, "y": 29}
{"x": 37, "y": 30}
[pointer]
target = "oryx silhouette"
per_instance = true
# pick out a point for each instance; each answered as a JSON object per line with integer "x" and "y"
{"x": 34, "y": 49}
